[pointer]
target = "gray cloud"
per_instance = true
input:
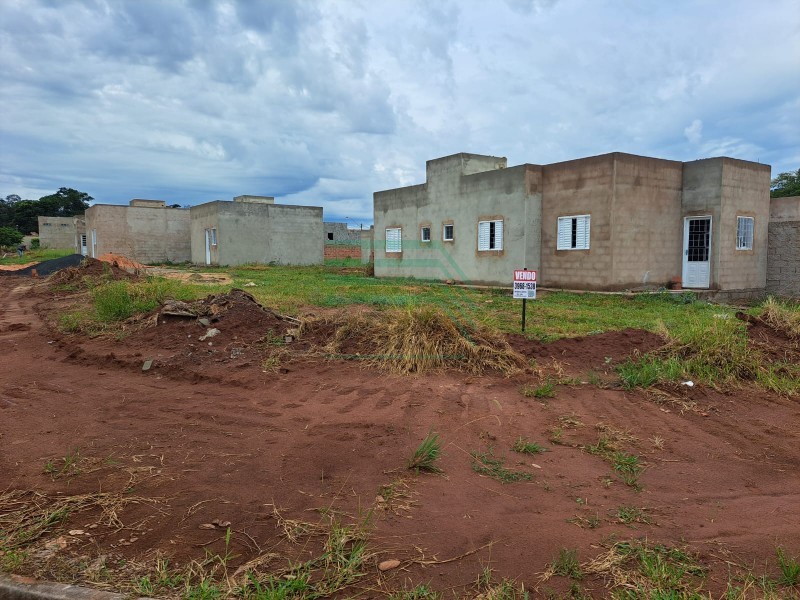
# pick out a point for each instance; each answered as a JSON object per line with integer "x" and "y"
{"x": 325, "y": 102}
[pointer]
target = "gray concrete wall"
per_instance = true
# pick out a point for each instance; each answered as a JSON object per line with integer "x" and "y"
{"x": 367, "y": 245}
{"x": 146, "y": 235}
{"x": 258, "y": 233}
{"x": 204, "y": 216}
{"x": 646, "y": 226}
{"x": 57, "y": 232}
{"x": 578, "y": 187}
{"x": 783, "y": 250}
{"x": 461, "y": 190}
{"x": 701, "y": 196}
{"x": 745, "y": 193}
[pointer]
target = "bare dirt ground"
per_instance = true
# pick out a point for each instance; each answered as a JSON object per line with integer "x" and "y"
{"x": 209, "y": 433}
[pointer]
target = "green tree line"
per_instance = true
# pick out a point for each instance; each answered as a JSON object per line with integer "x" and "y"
{"x": 22, "y": 215}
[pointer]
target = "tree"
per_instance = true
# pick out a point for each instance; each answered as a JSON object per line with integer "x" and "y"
{"x": 785, "y": 184}
{"x": 9, "y": 236}
{"x": 66, "y": 202}
{"x": 23, "y": 214}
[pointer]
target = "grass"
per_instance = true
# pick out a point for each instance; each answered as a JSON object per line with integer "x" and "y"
{"x": 632, "y": 514}
{"x": 427, "y": 453}
{"x": 790, "y": 568}
{"x": 783, "y": 316}
{"x": 626, "y": 465}
{"x": 485, "y": 463}
{"x": 565, "y": 565}
{"x": 67, "y": 466}
{"x": 418, "y": 339}
{"x": 523, "y": 446}
{"x": 641, "y": 570}
{"x": 545, "y": 390}
{"x": 38, "y": 255}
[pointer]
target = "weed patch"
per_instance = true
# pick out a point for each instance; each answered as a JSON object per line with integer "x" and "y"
{"x": 485, "y": 463}
{"x": 523, "y": 446}
{"x": 426, "y": 455}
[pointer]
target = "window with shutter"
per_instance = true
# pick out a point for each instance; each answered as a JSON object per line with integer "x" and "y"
{"x": 744, "y": 233}
{"x": 573, "y": 233}
{"x": 394, "y": 240}
{"x": 490, "y": 235}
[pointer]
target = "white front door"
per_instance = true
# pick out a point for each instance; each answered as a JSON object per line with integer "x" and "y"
{"x": 208, "y": 246}
{"x": 696, "y": 252}
{"x": 94, "y": 243}
{"x": 84, "y": 249}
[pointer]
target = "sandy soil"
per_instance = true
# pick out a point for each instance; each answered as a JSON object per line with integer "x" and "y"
{"x": 210, "y": 434}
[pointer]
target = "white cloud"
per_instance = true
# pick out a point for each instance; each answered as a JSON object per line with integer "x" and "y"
{"x": 694, "y": 132}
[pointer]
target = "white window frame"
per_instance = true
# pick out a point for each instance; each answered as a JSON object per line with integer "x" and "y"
{"x": 452, "y": 233}
{"x": 422, "y": 237}
{"x": 574, "y": 232}
{"x": 213, "y": 236}
{"x": 485, "y": 235}
{"x": 745, "y": 227}
{"x": 394, "y": 240}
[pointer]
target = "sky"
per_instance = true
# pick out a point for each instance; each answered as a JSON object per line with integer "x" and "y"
{"x": 324, "y": 102}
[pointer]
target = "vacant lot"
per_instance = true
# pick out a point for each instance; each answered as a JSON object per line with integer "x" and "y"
{"x": 576, "y": 465}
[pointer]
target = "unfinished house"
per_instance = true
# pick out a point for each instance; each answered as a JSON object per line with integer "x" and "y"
{"x": 57, "y": 232}
{"x": 610, "y": 222}
{"x": 253, "y": 229}
{"x": 146, "y": 231}
{"x": 341, "y": 241}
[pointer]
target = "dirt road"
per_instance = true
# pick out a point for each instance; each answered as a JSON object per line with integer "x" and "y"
{"x": 720, "y": 478}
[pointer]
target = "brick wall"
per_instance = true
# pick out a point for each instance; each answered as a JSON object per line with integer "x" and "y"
{"x": 783, "y": 258}
{"x": 342, "y": 250}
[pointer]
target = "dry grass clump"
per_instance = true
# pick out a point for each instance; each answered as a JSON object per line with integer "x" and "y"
{"x": 782, "y": 317}
{"x": 25, "y": 515}
{"x": 417, "y": 340}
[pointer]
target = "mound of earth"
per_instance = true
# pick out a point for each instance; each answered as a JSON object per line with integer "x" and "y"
{"x": 213, "y": 339}
{"x": 584, "y": 353}
{"x": 773, "y": 342}
{"x": 123, "y": 262}
{"x": 93, "y": 268}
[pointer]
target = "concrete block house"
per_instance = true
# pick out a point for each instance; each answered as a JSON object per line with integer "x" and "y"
{"x": 610, "y": 222}
{"x": 253, "y": 229}
{"x": 146, "y": 231}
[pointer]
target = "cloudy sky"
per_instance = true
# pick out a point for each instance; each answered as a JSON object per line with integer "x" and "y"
{"x": 323, "y": 102}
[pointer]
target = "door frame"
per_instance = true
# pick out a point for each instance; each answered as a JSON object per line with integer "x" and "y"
{"x": 685, "y": 263}
{"x": 208, "y": 246}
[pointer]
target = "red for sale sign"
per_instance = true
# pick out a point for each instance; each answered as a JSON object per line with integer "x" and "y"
{"x": 525, "y": 284}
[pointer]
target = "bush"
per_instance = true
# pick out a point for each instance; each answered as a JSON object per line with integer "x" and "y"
{"x": 9, "y": 236}
{"x": 35, "y": 244}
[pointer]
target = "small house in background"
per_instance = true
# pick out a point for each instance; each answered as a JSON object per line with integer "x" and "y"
{"x": 146, "y": 231}
{"x": 341, "y": 241}
{"x": 783, "y": 256}
{"x": 57, "y": 232}
{"x": 253, "y": 229}
{"x": 610, "y": 222}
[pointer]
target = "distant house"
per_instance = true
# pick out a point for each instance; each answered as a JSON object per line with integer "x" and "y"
{"x": 253, "y": 229}
{"x": 146, "y": 231}
{"x": 57, "y": 232}
{"x": 610, "y": 222}
{"x": 341, "y": 241}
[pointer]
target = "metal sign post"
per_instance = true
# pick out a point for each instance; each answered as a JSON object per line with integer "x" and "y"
{"x": 525, "y": 288}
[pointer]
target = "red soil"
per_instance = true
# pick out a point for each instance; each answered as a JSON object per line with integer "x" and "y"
{"x": 213, "y": 435}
